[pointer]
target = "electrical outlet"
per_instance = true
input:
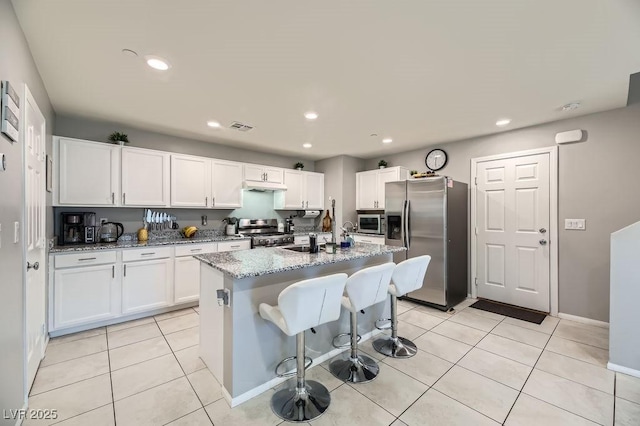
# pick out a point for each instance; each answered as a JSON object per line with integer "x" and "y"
{"x": 575, "y": 224}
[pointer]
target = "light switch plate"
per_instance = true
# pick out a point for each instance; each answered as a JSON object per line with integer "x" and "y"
{"x": 16, "y": 232}
{"x": 575, "y": 224}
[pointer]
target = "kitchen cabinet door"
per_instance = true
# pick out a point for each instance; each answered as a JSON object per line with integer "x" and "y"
{"x": 234, "y": 245}
{"x": 187, "y": 279}
{"x": 384, "y": 176}
{"x": 274, "y": 174}
{"x": 190, "y": 181}
{"x": 147, "y": 285}
{"x": 84, "y": 295}
{"x": 254, "y": 172}
{"x": 293, "y": 197}
{"x": 366, "y": 190}
{"x": 145, "y": 178}
{"x": 88, "y": 173}
{"x": 314, "y": 189}
{"x": 226, "y": 184}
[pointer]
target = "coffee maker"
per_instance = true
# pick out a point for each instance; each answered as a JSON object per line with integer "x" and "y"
{"x": 77, "y": 228}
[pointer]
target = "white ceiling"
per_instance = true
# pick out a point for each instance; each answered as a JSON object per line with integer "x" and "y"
{"x": 421, "y": 72}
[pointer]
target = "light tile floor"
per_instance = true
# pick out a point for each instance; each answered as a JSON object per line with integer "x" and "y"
{"x": 472, "y": 368}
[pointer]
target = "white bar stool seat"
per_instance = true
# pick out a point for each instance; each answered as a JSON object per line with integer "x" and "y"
{"x": 407, "y": 277}
{"x": 364, "y": 288}
{"x": 301, "y": 306}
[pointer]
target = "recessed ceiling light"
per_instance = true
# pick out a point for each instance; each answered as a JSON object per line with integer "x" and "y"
{"x": 129, "y": 52}
{"x": 213, "y": 124}
{"x": 571, "y": 106}
{"x": 310, "y": 115}
{"x": 387, "y": 140}
{"x": 157, "y": 63}
{"x": 503, "y": 122}
{"x": 307, "y": 145}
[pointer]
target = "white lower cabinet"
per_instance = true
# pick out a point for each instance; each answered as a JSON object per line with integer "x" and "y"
{"x": 147, "y": 285}
{"x": 85, "y": 294}
{"x": 186, "y": 281}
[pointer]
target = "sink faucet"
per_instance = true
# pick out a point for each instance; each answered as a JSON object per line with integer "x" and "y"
{"x": 344, "y": 226}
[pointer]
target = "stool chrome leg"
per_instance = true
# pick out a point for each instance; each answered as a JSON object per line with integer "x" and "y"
{"x": 307, "y": 400}
{"x": 396, "y": 347}
{"x": 357, "y": 368}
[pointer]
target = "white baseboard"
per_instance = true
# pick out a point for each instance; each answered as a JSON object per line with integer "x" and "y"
{"x": 233, "y": 402}
{"x": 583, "y": 320}
{"x": 625, "y": 370}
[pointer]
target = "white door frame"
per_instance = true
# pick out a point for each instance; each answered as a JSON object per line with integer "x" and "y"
{"x": 553, "y": 218}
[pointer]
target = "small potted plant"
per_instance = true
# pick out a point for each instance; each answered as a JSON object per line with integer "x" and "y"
{"x": 117, "y": 137}
{"x": 382, "y": 164}
{"x": 413, "y": 172}
{"x": 298, "y": 166}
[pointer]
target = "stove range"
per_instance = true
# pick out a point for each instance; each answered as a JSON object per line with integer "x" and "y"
{"x": 264, "y": 233}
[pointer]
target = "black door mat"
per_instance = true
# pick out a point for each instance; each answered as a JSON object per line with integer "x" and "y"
{"x": 510, "y": 311}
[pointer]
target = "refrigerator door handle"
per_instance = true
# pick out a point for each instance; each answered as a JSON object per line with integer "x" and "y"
{"x": 407, "y": 228}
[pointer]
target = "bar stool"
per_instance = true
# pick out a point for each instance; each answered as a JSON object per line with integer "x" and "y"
{"x": 364, "y": 288}
{"x": 408, "y": 276}
{"x": 301, "y": 306}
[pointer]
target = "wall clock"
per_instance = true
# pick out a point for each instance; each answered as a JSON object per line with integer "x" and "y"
{"x": 436, "y": 159}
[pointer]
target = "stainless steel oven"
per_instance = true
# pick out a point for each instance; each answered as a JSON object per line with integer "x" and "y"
{"x": 371, "y": 223}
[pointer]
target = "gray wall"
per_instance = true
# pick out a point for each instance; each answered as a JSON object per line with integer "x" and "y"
{"x": 94, "y": 130}
{"x": 16, "y": 66}
{"x": 340, "y": 184}
{"x": 597, "y": 181}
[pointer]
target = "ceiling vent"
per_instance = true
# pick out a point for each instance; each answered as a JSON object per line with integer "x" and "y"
{"x": 240, "y": 126}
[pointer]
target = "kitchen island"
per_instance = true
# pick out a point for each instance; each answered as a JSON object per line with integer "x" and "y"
{"x": 239, "y": 347}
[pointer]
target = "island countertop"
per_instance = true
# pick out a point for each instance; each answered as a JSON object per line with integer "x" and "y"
{"x": 263, "y": 261}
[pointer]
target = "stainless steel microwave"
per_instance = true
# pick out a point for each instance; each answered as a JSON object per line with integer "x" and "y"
{"x": 371, "y": 223}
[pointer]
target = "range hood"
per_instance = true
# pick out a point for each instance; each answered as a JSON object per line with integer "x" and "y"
{"x": 253, "y": 185}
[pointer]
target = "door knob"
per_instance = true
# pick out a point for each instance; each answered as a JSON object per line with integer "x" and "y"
{"x": 35, "y": 265}
{"x": 543, "y": 242}
{"x": 543, "y": 231}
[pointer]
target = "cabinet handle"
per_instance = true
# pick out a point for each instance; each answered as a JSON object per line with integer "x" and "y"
{"x": 125, "y": 269}
{"x": 113, "y": 198}
{"x": 235, "y": 246}
{"x": 307, "y": 204}
{"x": 303, "y": 204}
{"x": 206, "y": 201}
{"x": 86, "y": 258}
{"x": 113, "y": 271}
{"x": 147, "y": 254}
{"x": 194, "y": 250}
{"x": 213, "y": 201}
{"x": 124, "y": 198}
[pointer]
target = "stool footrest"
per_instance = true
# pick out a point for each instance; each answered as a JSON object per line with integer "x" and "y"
{"x": 343, "y": 345}
{"x": 383, "y": 324}
{"x": 308, "y": 362}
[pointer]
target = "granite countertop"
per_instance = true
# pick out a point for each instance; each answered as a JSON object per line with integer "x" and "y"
{"x": 263, "y": 261}
{"x": 150, "y": 243}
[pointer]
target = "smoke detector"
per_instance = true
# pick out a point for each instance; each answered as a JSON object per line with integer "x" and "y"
{"x": 241, "y": 126}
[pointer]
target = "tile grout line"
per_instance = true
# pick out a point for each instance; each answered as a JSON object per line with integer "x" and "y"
{"x": 113, "y": 399}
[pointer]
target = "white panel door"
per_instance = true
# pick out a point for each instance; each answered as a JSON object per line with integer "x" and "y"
{"x": 274, "y": 174}
{"x": 226, "y": 184}
{"x": 145, "y": 178}
{"x": 294, "y": 195}
{"x": 253, "y": 172}
{"x": 88, "y": 173}
{"x": 147, "y": 285}
{"x": 34, "y": 132}
{"x": 187, "y": 279}
{"x": 314, "y": 188}
{"x": 384, "y": 176}
{"x": 512, "y": 221}
{"x": 366, "y": 190}
{"x": 190, "y": 181}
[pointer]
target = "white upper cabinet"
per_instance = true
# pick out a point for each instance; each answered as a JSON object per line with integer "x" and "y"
{"x": 259, "y": 173}
{"x": 370, "y": 186}
{"x": 226, "y": 184}
{"x": 190, "y": 181}
{"x": 88, "y": 173}
{"x": 305, "y": 191}
{"x": 145, "y": 178}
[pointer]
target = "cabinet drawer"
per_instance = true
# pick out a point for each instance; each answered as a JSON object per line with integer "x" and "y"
{"x": 193, "y": 249}
{"x": 374, "y": 239}
{"x": 146, "y": 254}
{"x": 234, "y": 245}
{"x": 301, "y": 240}
{"x": 84, "y": 258}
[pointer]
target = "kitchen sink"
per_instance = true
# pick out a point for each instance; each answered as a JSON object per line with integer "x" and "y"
{"x": 301, "y": 249}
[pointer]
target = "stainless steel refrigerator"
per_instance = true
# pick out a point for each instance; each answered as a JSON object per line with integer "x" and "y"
{"x": 429, "y": 216}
